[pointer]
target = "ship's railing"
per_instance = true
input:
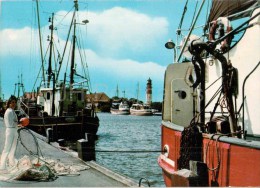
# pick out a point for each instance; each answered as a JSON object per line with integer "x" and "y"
{"x": 226, "y": 139}
{"x": 24, "y": 108}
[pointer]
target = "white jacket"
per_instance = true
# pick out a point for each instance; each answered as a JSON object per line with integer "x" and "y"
{"x": 10, "y": 118}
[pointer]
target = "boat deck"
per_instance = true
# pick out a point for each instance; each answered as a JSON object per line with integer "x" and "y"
{"x": 95, "y": 176}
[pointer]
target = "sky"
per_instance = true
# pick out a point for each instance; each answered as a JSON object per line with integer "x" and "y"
{"x": 123, "y": 41}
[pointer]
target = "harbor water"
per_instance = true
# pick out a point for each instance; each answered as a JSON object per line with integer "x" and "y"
{"x": 130, "y": 145}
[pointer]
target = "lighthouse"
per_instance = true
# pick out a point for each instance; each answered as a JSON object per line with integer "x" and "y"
{"x": 149, "y": 92}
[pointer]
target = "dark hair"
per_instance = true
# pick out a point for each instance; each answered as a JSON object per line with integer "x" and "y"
{"x": 12, "y": 98}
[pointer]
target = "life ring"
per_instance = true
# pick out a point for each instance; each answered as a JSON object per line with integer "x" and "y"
{"x": 223, "y": 26}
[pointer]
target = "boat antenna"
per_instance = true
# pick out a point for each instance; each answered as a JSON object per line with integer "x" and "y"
{"x": 40, "y": 37}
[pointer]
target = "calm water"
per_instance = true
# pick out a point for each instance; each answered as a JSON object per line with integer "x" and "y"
{"x": 126, "y": 134}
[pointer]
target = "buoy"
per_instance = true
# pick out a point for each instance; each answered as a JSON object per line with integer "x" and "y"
{"x": 24, "y": 121}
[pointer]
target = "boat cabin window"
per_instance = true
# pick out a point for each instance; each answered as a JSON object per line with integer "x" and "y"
{"x": 79, "y": 96}
{"x": 48, "y": 96}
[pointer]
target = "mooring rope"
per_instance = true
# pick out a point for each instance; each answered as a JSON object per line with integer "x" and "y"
{"x": 129, "y": 151}
{"x": 147, "y": 181}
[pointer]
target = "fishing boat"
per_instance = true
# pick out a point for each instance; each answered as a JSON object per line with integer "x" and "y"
{"x": 121, "y": 108}
{"x": 210, "y": 133}
{"x": 141, "y": 110}
{"x": 57, "y": 109}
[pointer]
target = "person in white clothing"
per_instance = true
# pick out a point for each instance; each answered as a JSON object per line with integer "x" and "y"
{"x": 11, "y": 135}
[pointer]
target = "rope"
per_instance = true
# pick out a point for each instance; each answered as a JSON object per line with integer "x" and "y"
{"x": 129, "y": 151}
{"x": 38, "y": 153}
{"x": 216, "y": 145}
{"x": 147, "y": 181}
{"x": 218, "y": 155}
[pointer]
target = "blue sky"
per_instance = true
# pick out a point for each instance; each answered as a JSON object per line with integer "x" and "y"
{"x": 124, "y": 41}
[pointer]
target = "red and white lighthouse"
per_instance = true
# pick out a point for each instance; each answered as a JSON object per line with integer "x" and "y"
{"x": 149, "y": 92}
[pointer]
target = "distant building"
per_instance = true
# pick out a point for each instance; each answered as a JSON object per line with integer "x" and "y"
{"x": 30, "y": 95}
{"x": 98, "y": 99}
{"x": 149, "y": 92}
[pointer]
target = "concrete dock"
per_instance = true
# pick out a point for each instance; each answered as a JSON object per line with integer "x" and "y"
{"x": 94, "y": 176}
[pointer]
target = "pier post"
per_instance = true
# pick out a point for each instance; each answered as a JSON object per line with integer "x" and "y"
{"x": 49, "y": 135}
{"x": 86, "y": 148}
{"x": 61, "y": 142}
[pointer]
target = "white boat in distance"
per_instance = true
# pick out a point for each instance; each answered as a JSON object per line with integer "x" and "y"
{"x": 141, "y": 110}
{"x": 120, "y": 109}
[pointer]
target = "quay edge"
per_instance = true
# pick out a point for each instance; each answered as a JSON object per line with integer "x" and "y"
{"x": 95, "y": 176}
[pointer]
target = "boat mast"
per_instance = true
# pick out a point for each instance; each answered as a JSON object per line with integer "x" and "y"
{"x": 137, "y": 92}
{"x": 72, "y": 71}
{"x": 117, "y": 91}
{"x": 19, "y": 86}
{"x": 73, "y": 55}
{"x": 51, "y": 47}
{"x": 40, "y": 37}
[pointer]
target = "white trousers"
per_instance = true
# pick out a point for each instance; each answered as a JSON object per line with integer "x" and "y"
{"x": 11, "y": 137}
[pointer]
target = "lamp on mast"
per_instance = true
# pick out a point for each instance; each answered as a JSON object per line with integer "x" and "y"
{"x": 171, "y": 45}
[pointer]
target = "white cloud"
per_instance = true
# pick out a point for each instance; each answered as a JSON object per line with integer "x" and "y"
{"x": 123, "y": 28}
{"x": 120, "y": 30}
{"x": 16, "y": 42}
{"x": 125, "y": 68}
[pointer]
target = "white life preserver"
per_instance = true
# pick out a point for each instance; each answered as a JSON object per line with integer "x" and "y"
{"x": 224, "y": 27}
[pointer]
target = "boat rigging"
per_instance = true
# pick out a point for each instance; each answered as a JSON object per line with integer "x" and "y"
{"x": 60, "y": 109}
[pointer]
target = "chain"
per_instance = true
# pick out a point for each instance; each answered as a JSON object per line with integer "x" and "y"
{"x": 190, "y": 147}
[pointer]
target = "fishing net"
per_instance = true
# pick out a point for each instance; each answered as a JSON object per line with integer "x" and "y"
{"x": 35, "y": 169}
{"x": 33, "y": 166}
{"x": 29, "y": 142}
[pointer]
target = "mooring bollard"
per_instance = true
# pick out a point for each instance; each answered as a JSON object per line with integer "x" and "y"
{"x": 86, "y": 148}
{"x": 61, "y": 142}
{"x": 49, "y": 135}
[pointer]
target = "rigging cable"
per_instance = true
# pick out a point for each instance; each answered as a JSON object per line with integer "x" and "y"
{"x": 194, "y": 14}
{"x": 40, "y": 70}
{"x": 182, "y": 17}
{"x": 84, "y": 67}
{"x": 68, "y": 35}
{"x": 206, "y": 22}
{"x": 82, "y": 55}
